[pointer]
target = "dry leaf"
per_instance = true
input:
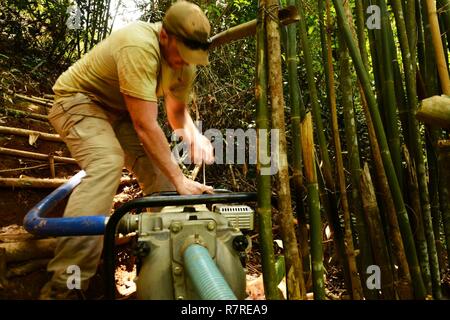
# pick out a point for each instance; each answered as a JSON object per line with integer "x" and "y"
{"x": 33, "y": 138}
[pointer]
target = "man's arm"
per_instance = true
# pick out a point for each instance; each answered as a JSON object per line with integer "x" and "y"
{"x": 181, "y": 121}
{"x": 144, "y": 116}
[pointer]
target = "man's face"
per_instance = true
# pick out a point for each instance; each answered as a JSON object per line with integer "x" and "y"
{"x": 170, "y": 52}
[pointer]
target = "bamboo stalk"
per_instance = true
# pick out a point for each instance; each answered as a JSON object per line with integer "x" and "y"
{"x": 38, "y": 183}
{"x": 376, "y": 232}
{"x": 404, "y": 286}
{"x": 417, "y": 221}
{"x": 34, "y": 155}
{"x": 444, "y": 177}
{"x": 431, "y": 140}
{"x": 357, "y": 291}
{"x": 315, "y": 107}
{"x": 328, "y": 196}
{"x": 31, "y": 183}
{"x": 294, "y": 273}
{"x": 26, "y": 114}
{"x": 264, "y": 206}
{"x": 42, "y": 99}
{"x": 51, "y": 160}
{"x": 27, "y": 250}
{"x": 24, "y": 132}
{"x": 391, "y": 123}
{"x": 314, "y": 207}
{"x": 366, "y": 254}
{"x": 360, "y": 28}
{"x": 387, "y": 160}
{"x": 297, "y": 113}
{"x": 419, "y": 157}
{"x": 27, "y": 268}
{"x": 26, "y": 98}
{"x": 438, "y": 48}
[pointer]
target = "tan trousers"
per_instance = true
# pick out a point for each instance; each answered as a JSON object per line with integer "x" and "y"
{"x": 102, "y": 143}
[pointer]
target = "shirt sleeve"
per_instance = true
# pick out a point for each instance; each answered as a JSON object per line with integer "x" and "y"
{"x": 181, "y": 86}
{"x": 138, "y": 69}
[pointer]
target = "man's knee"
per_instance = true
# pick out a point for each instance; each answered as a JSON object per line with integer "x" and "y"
{"x": 112, "y": 163}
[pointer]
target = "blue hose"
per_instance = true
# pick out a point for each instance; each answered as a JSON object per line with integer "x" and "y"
{"x": 35, "y": 223}
{"x": 204, "y": 274}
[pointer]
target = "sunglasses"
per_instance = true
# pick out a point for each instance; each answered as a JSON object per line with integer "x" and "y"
{"x": 193, "y": 44}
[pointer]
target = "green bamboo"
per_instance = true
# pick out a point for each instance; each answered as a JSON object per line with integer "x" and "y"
{"x": 420, "y": 161}
{"x": 377, "y": 234}
{"x": 315, "y": 107}
{"x": 404, "y": 288}
{"x": 360, "y": 29}
{"x": 387, "y": 160}
{"x": 444, "y": 199}
{"x": 294, "y": 268}
{"x": 264, "y": 206}
{"x": 329, "y": 199}
{"x": 365, "y": 250}
{"x": 416, "y": 218}
{"x": 355, "y": 169}
{"x": 411, "y": 25}
{"x": 297, "y": 113}
{"x": 314, "y": 207}
{"x": 400, "y": 92}
{"x": 357, "y": 291}
{"x": 376, "y": 61}
{"x": 415, "y": 144}
{"x": 391, "y": 118}
{"x": 431, "y": 142}
{"x": 420, "y": 43}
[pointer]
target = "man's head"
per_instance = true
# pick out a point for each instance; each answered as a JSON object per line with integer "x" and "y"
{"x": 184, "y": 37}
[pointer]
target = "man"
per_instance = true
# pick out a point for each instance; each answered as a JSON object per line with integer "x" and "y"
{"x": 106, "y": 112}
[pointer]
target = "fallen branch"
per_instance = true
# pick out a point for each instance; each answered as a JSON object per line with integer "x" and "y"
{"x": 43, "y": 99}
{"x": 30, "y": 99}
{"x": 25, "y": 132}
{"x": 26, "y": 114}
{"x": 27, "y": 250}
{"x": 27, "y": 268}
{"x": 34, "y": 155}
{"x": 49, "y": 96}
{"x": 31, "y": 183}
{"x": 286, "y": 15}
{"x": 26, "y": 168}
{"x": 45, "y": 183}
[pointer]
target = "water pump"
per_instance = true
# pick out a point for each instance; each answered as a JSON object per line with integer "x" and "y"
{"x": 166, "y": 266}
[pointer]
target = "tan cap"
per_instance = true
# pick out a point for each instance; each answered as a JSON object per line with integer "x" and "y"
{"x": 187, "y": 22}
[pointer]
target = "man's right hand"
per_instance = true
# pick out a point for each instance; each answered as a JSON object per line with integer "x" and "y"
{"x": 187, "y": 186}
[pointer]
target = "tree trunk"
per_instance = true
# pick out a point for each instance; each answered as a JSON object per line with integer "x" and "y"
{"x": 294, "y": 273}
{"x": 264, "y": 206}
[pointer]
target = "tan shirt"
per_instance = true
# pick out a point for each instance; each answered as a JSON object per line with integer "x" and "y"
{"x": 129, "y": 61}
